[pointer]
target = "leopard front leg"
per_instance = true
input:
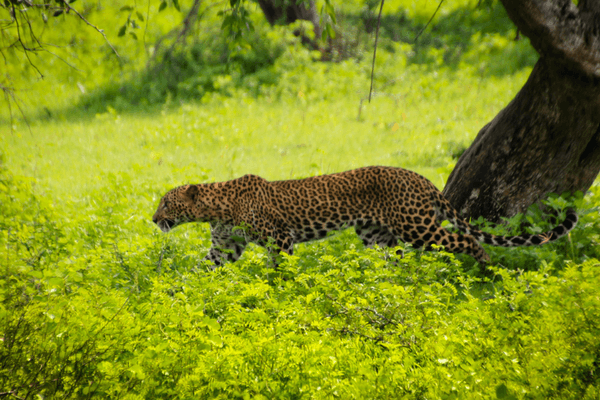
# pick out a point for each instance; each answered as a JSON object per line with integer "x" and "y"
{"x": 281, "y": 242}
{"x": 226, "y": 245}
{"x": 269, "y": 231}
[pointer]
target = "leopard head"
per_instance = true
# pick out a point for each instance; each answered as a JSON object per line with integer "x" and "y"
{"x": 177, "y": 207}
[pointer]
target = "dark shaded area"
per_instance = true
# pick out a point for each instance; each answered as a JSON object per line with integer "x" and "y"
{"x": 286, "y": 12}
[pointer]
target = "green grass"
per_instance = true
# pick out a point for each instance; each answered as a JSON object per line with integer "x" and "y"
{"x": 416, "y": 123}
{"x": 96, "y": 302}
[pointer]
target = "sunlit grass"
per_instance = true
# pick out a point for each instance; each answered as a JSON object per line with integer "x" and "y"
{"x": 416, "y": 123}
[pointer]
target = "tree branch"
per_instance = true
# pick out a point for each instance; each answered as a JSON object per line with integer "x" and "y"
{"x": 22, "y": 43}
{"x": 428, "y": 22}
{"x": 101, "y": 31}
{"x": 560, "y": 30}
{"x": 188, "y": 21}
{"x": 375, "y": 49}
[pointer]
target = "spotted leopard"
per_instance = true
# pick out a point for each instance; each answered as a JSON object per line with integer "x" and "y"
{"x": 383, "y": 204}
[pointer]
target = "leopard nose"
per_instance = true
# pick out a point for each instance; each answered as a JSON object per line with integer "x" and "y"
{"x": 155, "y": 220}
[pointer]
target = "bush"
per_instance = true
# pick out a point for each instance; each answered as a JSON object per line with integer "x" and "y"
{"x": 96, "y": 305}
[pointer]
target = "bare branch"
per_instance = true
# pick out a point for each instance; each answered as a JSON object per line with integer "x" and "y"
{"x": 26, "y": 39}
{"x": 429, "y": 22}
{"x": 63, "y": 60}
{"x": 192, "y": 16}
{"x": 10, "y": 393}
{"x": 20, "y": 40}
{"x": 9, "y": 95}
{"x": 101, "y": 31}
{"x": 375, "y": 50}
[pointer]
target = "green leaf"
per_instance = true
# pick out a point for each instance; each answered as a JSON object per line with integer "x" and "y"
{"x": 122, "y": 30}
{"x": 138, "y": 371}
{"x": 212, "y": 323}
{"x": 126, "y": 8}
{"x": 35, "y": 274}
{"x": 133, "y": 35}
{"x": 330, "y": 11}
{"x": 330, "y": 31}
{"x": 176, "y": 4}
{"x": 140, "y": 16}
{"x": 55, "y": 281}
{"x": 162, "y": 6}
{"x": 502, "y": 392}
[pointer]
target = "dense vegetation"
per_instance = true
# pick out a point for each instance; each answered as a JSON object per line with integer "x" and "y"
{"x": 96, "y": 303}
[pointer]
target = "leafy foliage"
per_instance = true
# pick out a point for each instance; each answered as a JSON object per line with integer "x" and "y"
{"x": 157, "y": 66}
{"x": 97, "y": 304}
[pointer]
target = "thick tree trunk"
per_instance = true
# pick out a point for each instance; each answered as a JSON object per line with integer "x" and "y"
{"x": 547, "y": 140}
{"x": 288, "y": 11}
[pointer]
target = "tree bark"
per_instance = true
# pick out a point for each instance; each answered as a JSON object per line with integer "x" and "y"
{"x": 288, "y": 11}
{"x": 547, "y": 140}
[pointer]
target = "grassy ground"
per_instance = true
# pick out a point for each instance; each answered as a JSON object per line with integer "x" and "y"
{"x": 408, "y": 125}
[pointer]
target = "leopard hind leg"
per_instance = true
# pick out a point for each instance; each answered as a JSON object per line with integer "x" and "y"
{"x": 452, "y": 242}
{"x": 373, "y": 234}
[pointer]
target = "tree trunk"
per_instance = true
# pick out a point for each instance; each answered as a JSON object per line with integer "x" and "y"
{"x": 288, "y": 11}
{"x": 547, "y": 140}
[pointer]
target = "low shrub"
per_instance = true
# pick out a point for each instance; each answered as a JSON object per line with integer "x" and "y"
{"x": 100, "y": 305}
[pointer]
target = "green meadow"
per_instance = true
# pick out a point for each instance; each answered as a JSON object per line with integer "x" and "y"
{"x": 96, "y": 302}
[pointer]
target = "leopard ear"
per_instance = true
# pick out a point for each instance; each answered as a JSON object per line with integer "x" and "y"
{"x": 192, "y": 192}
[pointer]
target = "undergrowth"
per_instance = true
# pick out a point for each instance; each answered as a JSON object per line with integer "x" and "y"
{"x": 100, "y": 305}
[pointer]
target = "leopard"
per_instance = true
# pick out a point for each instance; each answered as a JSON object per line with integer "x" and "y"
{"x": 385, "y": 205}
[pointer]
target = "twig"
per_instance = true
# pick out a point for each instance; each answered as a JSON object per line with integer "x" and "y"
{"x": 187, "y": 23}
{"x": 383, "y": 318}
{"x": 63, "y": 60}
{"x": 378, "y": 339}
{"x": 375, "y": 49}
{"x": 10, "y": 393}
{"x": 101, "y": 31}
{"x": 145, "y": 29}
{"x": 189, "y": 20}
{"x": 428, "y": 22}
{"x": 33, "y": 37}
{"x": 23, "y": 44}
{"x": 8, "y": 95}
